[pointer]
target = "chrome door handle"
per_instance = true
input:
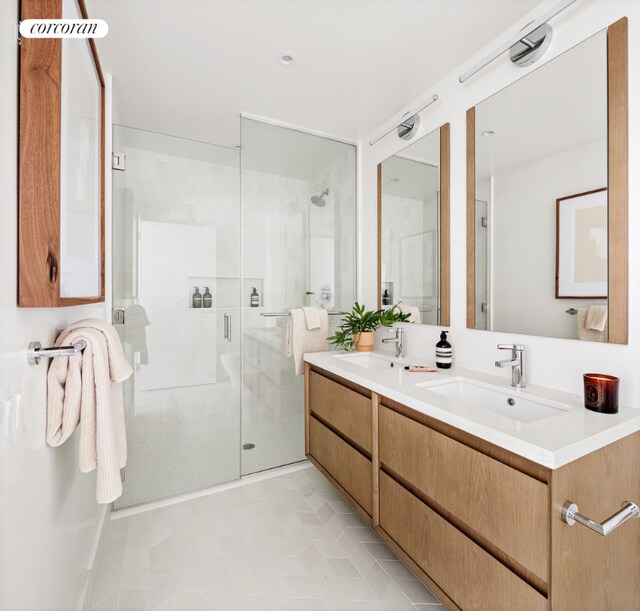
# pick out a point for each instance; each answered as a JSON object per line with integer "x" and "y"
{"x": 570, "y": 516}
{"x": 227, "y": 326}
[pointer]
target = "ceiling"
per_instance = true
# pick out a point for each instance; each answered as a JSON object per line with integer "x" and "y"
{"x": 190, "y": 67}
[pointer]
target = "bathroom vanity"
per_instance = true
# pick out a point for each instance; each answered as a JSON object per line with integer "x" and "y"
{"x": 471, "y": 498}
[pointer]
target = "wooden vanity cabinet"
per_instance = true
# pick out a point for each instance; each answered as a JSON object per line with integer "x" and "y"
{"x": 479, "y": 525}
{"x": 339, "y": 436}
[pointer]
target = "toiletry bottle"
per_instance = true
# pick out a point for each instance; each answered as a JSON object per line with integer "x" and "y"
{"x": 255, "y": 298}
{"x": 196, "y": 301}
{"x": 207, "y": 298}
{"x": 444, "y": 352}
{"x": 386, "y": 298}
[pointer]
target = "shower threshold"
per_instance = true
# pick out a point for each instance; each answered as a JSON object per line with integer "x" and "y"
{"x": 194, "y": 494}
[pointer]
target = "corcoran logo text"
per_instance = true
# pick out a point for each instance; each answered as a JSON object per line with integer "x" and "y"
{"x": 63, "y": 28}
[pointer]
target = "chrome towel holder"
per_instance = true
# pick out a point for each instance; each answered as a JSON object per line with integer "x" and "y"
{"x": 570, "y": 516}
{"x": 35, "y": 351}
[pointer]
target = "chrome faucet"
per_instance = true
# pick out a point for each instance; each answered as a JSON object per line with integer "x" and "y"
{"x": 516, "y": 362}
{"x": 398, "y": 340}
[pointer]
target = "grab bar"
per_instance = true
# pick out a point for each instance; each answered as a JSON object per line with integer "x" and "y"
{"x": 35, "y": 351}
{"x": 271, "y": 314}
{"x": 570, "y": 516}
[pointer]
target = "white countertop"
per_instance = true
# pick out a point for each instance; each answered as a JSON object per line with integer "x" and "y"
{"x": 552, "y": 442}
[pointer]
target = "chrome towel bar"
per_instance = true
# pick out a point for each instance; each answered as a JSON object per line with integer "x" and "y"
{"x": 272, "y": 314}
{"x": 35, "y": 351}
{"x": 570, "y": 516}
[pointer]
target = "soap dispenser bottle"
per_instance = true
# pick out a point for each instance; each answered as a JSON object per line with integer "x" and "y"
{"x": 444, "y": 352}
{"x": 207, "y": 298}
{"x": 196, "y": 300}
{"x": 386, "y": 298}
{"x": 255, "y": 298}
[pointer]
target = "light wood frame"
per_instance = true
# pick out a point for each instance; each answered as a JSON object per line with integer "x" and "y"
{"x": 618, "y": 186}
{"x": 39, "y": 164}
{"x": 445, "y": 237}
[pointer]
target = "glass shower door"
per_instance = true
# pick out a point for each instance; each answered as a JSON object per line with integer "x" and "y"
{"x": 176, "y": 226}
{"x": 299, "y": 249}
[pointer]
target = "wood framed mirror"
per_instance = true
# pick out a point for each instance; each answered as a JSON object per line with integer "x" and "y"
{"x": 61, "y": 246}
{"x": 547, "y": 198}
{"x": 413, "y": 229}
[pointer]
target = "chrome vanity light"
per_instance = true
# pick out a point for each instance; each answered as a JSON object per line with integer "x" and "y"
{"x": 527, "y": 46}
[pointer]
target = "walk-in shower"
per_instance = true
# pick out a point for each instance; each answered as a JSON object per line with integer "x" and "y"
{"x": 240, "y": 229}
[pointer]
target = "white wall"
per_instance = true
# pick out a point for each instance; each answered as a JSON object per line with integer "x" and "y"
{"x": 48, "y": 512}
{"x": 523, "y": 230}
{"x": 551, "y": 362}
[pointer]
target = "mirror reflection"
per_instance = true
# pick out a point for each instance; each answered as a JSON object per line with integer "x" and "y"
{"x": 410, "y": 230}
{"x": 540, "y": 215}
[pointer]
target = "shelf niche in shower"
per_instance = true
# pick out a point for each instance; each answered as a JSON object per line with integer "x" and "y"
{"x": 225, "y": 291}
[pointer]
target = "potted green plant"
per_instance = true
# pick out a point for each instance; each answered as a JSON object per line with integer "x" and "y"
{"x": 356, "y": 330}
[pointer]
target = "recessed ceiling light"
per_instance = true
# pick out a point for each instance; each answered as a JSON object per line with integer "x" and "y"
{"x": 286, "y": 59}
{"x": 488, "y": 132}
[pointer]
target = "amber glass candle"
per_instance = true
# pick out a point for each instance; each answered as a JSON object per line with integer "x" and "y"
{"x": 601, "y": 393}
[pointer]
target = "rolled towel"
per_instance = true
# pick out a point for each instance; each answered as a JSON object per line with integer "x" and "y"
{"x": 301, "y": 340}
{"x": 413, "y": 311}
{"x": 597, "y": 317}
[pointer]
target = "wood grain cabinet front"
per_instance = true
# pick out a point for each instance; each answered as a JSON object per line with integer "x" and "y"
{"x": 345, "y": 409}
{"x": 347, "y": 466}
{"x": 471, "y": 577}
{"x": 508, "y": 509}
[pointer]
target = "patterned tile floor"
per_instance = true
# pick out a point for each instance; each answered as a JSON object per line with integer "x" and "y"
{"x": 289, "y": 542}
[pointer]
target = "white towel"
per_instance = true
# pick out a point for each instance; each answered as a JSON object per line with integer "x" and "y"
{"x": 86, "y": 388}
{"x": 589, "y": 335}
{"x": 312, "y": 317}
{"x": 596, "y": 317}
{"x": 301, "y": 340}
{"x": 412, "y": 310}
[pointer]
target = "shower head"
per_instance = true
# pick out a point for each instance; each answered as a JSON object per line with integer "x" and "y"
{"x": 318, "y": 200}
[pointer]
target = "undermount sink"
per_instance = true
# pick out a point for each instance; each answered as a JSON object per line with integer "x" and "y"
{"x": 366, "y": 360}
{"x": 501, "y": 401}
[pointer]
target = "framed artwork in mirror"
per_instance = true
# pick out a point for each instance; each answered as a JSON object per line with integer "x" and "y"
{"x": 61, "y": 247}
{"x": 581, "y": 246}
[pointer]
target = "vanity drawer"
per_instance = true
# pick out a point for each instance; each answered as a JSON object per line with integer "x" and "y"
{"x": 345, "y": 464}
{"x": 344, "y": 409}
{"x": 471, "y": 577}
{"x": 504, "y": 506}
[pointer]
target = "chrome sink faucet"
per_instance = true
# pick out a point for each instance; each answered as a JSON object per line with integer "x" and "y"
{"x": 516, "y": 362}
{"x": 398, "y": 340}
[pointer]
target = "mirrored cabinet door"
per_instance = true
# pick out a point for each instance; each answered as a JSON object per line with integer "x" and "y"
{"x": 547, "y": 198}
{"x": 413, "y": 229}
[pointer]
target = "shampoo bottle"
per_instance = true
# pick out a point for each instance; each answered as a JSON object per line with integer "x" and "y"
{"x": 255, "y": 298}
{"x": 207, "y": 298}
{"x": 444, "y": 352}
{"x": 386, "y": 298}
{"x": 196, "y": 300}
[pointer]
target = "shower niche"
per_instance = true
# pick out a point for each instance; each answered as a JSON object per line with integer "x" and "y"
{"x": 224, "y": 292}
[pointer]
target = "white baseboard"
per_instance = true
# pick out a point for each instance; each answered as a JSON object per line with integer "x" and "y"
{"x": 83, "y": 599}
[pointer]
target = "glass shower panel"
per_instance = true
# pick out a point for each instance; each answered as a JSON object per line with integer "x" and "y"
{"x": 299, "y": 249}
{"x": 176, "y": 226}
